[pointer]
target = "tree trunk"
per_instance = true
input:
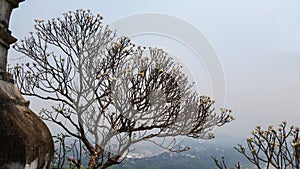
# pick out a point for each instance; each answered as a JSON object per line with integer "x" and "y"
{"x": 93, "y": 161}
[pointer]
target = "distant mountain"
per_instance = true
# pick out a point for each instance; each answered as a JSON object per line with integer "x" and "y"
{"x": 148, "y": 156}
{"x": 199, "y": 157}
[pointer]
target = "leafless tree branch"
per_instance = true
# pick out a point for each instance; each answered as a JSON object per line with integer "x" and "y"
{"x": 112, "y": 93}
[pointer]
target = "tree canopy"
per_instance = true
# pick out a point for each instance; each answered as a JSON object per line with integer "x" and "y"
{"x": 110, "y": 93}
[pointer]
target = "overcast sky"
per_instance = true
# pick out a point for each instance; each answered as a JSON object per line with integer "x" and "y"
{"x": 257, "y": 42}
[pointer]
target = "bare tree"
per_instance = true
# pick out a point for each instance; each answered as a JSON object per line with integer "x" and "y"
{"x": 272, "y": 148}
{"x": 111, "y": 94}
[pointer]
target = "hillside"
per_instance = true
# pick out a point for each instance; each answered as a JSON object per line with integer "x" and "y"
{"x": 199, "y": 157}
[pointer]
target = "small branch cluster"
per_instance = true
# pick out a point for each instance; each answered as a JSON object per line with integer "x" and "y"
{"x": 222, "y": 164}
{"x": 67, "y": 152}
{"x": 279, "y": 148}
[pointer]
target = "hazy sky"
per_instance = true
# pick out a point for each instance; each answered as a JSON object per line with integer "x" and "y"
{"x": 257, "y": 41}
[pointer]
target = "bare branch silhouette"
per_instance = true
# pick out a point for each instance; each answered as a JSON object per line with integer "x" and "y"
{"x": 271, "y": 148}
{"x": 112, "y": 93}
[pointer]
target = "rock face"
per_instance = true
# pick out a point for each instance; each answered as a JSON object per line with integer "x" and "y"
{"x": 25, "y": 140}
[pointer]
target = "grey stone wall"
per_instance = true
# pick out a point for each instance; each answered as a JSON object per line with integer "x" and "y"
{"x": 6, "y": 7}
